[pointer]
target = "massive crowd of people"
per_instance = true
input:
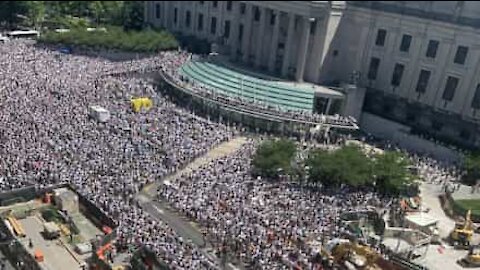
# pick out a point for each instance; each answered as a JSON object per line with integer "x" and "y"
{"x": 267, "y": 225}
{"x": 47, "y": 137}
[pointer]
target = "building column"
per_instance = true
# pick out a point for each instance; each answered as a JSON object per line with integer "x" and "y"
{"x": 274, "y": 43}
{"x": 302, "y": 54}
{"x": 247, "y": 32}
{"x": 165, "y": 13}
{"x": 234, "y": 25}
{"x": 263, "y": 25}
{"x": 288, "y": 47}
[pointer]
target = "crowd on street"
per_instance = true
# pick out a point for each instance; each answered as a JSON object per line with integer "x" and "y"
{"x": 47, "y": 137}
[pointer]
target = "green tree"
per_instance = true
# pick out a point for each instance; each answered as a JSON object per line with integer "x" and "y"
{"x": 391, "y": 172}
{"x": 347, "y": 165}
{"x": 36, "y": 13}
{"x": 11, "y": 12}
{"x": 133, "y": 15}
{"x": 272, "y": 157}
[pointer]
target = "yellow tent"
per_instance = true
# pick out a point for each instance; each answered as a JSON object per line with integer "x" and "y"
{"x": 139, "y": 103}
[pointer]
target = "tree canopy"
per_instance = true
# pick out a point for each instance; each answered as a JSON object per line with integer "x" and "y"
{"x": 387, "y": 172}
{"x": 128, "y": 14}
{"x": 273, "y": 157}
{"x": 348, "y": 165}
{"x": 391, "y": 172}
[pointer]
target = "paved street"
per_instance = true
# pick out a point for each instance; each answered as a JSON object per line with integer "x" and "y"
{"x": 160, "y": 210}
{"x": 439, "y": 257}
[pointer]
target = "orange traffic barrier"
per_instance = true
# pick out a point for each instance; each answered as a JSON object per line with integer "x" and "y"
{"x": 39, "y": 255}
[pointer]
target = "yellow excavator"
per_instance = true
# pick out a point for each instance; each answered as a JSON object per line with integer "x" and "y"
{"x": 462, "y": 235}
{"x": 472, "y": 259}
{"x": 346, "y": 255}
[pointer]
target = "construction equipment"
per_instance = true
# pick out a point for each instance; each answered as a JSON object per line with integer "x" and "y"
{"x": 462, "y": 235}
{"x": 17, "y": 227}
{"x": 472, "y": 259}
{"x": 347, "y": 255}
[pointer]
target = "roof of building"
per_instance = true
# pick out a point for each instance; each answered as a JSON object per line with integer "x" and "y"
{"x": 234, "y": 83}
{"x": 422, "y": 219}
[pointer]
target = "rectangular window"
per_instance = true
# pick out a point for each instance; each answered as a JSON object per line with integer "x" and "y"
{"x": 226, "y": 32}
{"x": 175, "y": 16}
{"x": 200, "y": 22}
{"x": 229, "y": 5}
{"x": 373, "y": 69}
{"x": 432, "y": 48}
{"x": 476, "y": 98}
{"x": 213, "y": 26}
{"x": 201, "y": 2}
{"x": 313, "y": 26}
{"x": 157, "y": 11}
{"x": 405, "y": 44}
{"x": 256, "y": 14}
{"x": 461, "y": 55}
{"x": 450, "y": 87}
{"x": 187, "y": 19}
{"x": 381, "y": 35}
{"x": 422, "y": 82}
{"x": 215, "y": 4}
{"x": 242, "y": 8}
{"x": 240, "y": 32}
{"x": 272, "y": 19}
{"x": 397, "y": 74}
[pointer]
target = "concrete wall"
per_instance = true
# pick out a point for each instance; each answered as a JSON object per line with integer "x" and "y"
{"x": 400, "y": 134}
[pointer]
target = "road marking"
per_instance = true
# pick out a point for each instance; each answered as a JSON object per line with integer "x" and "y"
{"x": 158, "y": 209}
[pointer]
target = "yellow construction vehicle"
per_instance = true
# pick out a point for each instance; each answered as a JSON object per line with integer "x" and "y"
{"x": 347, "y": 255}
{"x": 462, "y": 235}
{"x": 472, "y": 259}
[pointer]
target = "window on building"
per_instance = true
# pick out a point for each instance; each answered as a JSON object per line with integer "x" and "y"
{"x": 373, "y": 69}
{"x": 201, "y": 2}
{"x": 256, "y": 14}
{"x": 272, "y": 19}
{"x": 313, "y": 26}
{"x": 157, "y": 11}
{"x": 200, "y": 22}
{"x": 229, "y": 5}
{"x": 461, "y": 55}
{"x": 381, "y": 35}
{"x": 187, "y": 19}
{"x": 405, "y": 44}
{"x": 175, "y": 11}
{"x": 450, "y": 87}
{"x": 243, "y": 7}
{"x": 476, "y": 98}
{"x": 240, "y": 32}
{"x": 213, "y": 26}
{"x": 226, "y": 32}
{"x": 335, "y": 52}
{"x": 422, "y": 82}
{"x": 397, "y": 74}
{"x": 432, "y": 48}
{"x": 215, "y": 4}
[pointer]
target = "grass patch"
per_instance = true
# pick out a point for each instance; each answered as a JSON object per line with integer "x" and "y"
{"x": 115, "y": 38}
{"x": 465, "y": 205}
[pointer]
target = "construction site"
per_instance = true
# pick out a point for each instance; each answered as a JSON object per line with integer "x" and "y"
{"x": 54, "y": 228}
